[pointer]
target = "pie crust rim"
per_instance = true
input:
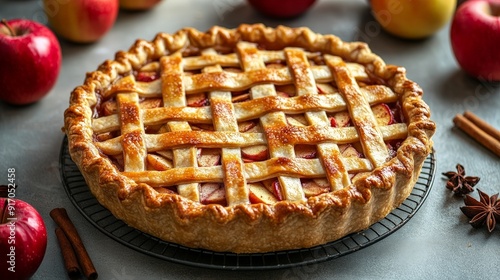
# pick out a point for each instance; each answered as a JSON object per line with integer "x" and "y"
{"x": 250, "y": 228}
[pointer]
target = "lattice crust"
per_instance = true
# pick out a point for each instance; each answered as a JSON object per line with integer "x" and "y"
{"x": 249, "y": 129}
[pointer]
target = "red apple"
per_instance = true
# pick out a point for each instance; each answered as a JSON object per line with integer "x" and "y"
{"x": 475, "y": 38}
{"x": 282, "y": 8}
{"x": 23, "y": 239}
{"x": 81, "y": 21}
{"x": 138, "y": 5}
{"x": 31, "y": 60}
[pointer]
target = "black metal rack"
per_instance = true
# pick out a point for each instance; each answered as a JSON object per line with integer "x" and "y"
{"x": 80, "y": 195}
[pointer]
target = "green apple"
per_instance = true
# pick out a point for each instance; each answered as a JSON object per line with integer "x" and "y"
{"x": 413, "y": 19}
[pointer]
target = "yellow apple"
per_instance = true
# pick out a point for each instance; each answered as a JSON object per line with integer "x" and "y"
{"x": 137, "y": 5}
{"x": 413, "y": 19}
{"x": 81, "y": 21}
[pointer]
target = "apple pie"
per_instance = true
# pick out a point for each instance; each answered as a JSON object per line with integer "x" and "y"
{"x": 253, "y": 139}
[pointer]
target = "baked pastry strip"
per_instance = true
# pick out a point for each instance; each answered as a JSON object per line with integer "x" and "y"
{"x": 362, "y": 116}
{"x": 227, "y": 80}
{"x": 173, "y": 97}
{"x": 291, "y": 188}
{"x": 224, "y": 119}
{"x": 251, "y": 109}
{"x": 306, "y": 86}
{"x": 132, "y": 129}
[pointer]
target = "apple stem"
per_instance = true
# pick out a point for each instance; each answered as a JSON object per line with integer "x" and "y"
{"x": 11, "y": 31}
{"x": 4, "y": 212}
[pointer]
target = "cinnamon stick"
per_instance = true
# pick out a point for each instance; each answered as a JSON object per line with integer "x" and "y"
{"x": 477, "y": 134}
{"x": 60, "y": 216}
{"x": 69, "y": 257}
{"x": 486, "y": 127}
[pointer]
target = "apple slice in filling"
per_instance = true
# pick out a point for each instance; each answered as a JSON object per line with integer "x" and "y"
{"x": 146, "y": 76}
{"x": 202, "y": 127}
{"x": 259, "y": 194}
{"x": 254, "y": 153}
{"x": 305, "y": 151}
{"x": 168, "y": 154}
{"x": 397, "y": 112}
{"x": 212, "y": 193}
{"x": 240, "y": 97}
{"x": 340, "y": 119}
{"x": 246, "y": 126}
{"x": 208, "y": 157}
{"x": 296, "y": 120}
{"x": 117, "y": 160}
{"x": 286, "y": 90}
{"x": 104, "y": 136}
{"x": 393, "y": 146}
{"x": 348, "y": 150}
{"x": 165, "y": 190}
{"x": 283, "y": 94}
{"x": 383, "y": 114}
{"x": 325, "y": 89}
{"x": 315, "y": 187}
{"x": 110, "y": 107}
{"x": 275, "y": 65}
{"x": 273, "y": 186}
{"x": 156, "y": 162}
{"x": 197, "y": 100}
{"x": 150, "y": 103}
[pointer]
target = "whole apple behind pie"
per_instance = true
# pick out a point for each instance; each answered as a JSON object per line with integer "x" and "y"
{"x": 252, "y": 139}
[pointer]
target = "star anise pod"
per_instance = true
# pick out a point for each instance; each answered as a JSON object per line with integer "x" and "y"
{"x": 485, "y": 211}
{"x": 459, "y": 183}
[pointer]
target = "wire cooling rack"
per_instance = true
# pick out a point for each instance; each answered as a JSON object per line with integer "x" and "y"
{"x": 100, "y": 217}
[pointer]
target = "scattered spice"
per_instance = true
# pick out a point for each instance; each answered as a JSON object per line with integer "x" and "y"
{"x": 459, "y": 183}
{"x": 485, "y": 211}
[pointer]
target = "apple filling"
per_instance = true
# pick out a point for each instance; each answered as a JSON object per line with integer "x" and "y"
{"x": 267, "y": 191}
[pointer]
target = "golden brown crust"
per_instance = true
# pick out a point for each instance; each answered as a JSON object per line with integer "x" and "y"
{"x": 245, "y": 227}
